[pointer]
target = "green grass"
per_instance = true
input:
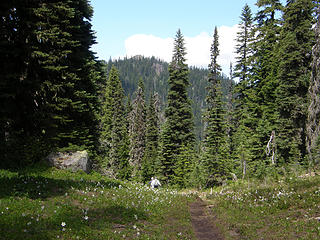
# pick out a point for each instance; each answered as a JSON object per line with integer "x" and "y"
{"x": 287, "y": 209}
{"x": 44, "y": 203}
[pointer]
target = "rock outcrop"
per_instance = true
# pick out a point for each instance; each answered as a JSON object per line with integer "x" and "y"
{"x": 73, "y": 161}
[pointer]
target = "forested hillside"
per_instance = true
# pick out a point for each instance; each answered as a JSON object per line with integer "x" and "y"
{"x": 154, "y": 74}
{"x": 141, "y": 117}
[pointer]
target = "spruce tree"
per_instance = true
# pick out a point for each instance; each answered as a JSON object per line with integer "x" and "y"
{"x": 296, "y": 40}
{"x": 137, "y": 131}
{"x": 177, "y": 131}
{"x": 215, "y": 132}
{"x": 114, "y": 135}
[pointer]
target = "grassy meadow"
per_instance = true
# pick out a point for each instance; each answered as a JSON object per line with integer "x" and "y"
{"x": 45, "y": 203}
{"x": 283, "y": 209}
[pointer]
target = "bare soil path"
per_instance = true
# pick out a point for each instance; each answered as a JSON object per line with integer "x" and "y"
{"x": 202, "y": 224}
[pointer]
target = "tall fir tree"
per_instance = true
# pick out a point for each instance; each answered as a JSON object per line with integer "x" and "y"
{"x": 151, "y": 165}
{"x": 243, "y": 49}
{"x": 244, "y": 137}
{"x": 178, "y": 130}
{"x": 296, "y": 40}
{"x": 264, "y": 78}
{"x": 137, "y": 132}
{"x": 230, "y": 108}
{"x": 313, "y": 120}
{"x": 114, "y": 134}
{"x": 215, "y": 132}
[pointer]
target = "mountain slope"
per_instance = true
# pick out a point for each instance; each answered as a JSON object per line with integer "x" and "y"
{"x": 154, "y": 74}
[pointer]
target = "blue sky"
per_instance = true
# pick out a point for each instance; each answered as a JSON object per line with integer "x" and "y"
{"x": 147, "y": 27}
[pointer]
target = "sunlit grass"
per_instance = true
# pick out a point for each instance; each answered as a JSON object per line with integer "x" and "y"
{"x": 288, "y": 209}
{"x": 44, "y": 203}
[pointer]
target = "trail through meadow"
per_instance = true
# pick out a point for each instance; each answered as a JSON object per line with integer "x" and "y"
{"x": 203, "y": 226}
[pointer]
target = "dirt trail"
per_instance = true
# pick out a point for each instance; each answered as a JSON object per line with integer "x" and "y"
{"x": 203, "y": 227}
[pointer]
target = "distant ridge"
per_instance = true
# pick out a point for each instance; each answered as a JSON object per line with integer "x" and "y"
{"x": 154, "y": 73}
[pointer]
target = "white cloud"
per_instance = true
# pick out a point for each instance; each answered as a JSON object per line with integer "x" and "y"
{"x": 148, "y": 46}
{"x": 198, "y": 47}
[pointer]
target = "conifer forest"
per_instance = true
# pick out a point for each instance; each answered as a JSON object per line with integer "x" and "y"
{"x": 141, "y": 117}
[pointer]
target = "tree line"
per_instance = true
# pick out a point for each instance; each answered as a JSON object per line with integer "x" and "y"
{"x": 55, "y": 96}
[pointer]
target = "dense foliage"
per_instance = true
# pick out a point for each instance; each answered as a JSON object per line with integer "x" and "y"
{"x": 48, "y": 79}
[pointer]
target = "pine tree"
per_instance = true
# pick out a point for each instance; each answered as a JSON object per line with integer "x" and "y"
{"x": 114, "y": 135}
{"x": 177, "y": 131}
{"x": 313, "y": 120}
{"x": 215, "y": 132}
{"x": 294, "y": 73}
{"x": 137, "y": 131}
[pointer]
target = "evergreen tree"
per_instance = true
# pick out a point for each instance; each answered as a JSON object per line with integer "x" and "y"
{"x": 137, "y": 131}
{"x": 265, "y": 66}
{"x": 294, "y": 73}
{"x": 184, "y": 166}
{"x": 177, "y": 131}
{"x": 261, "y": 85}
{"x": 215, "y": 132}
{"x": 313, "y": 121}
{"x": 53, "y": 81}
{"x": 230, "y": 124}
{"x": 244, "y": 137}
{"x": 114, "y": 135}
{"x": 151, "y": 165}
{"x": 230, "y": 104}
{"x": 244, "y": 50}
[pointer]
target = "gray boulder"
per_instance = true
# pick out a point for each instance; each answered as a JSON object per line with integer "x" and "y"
{"x": 73, "y": 161}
